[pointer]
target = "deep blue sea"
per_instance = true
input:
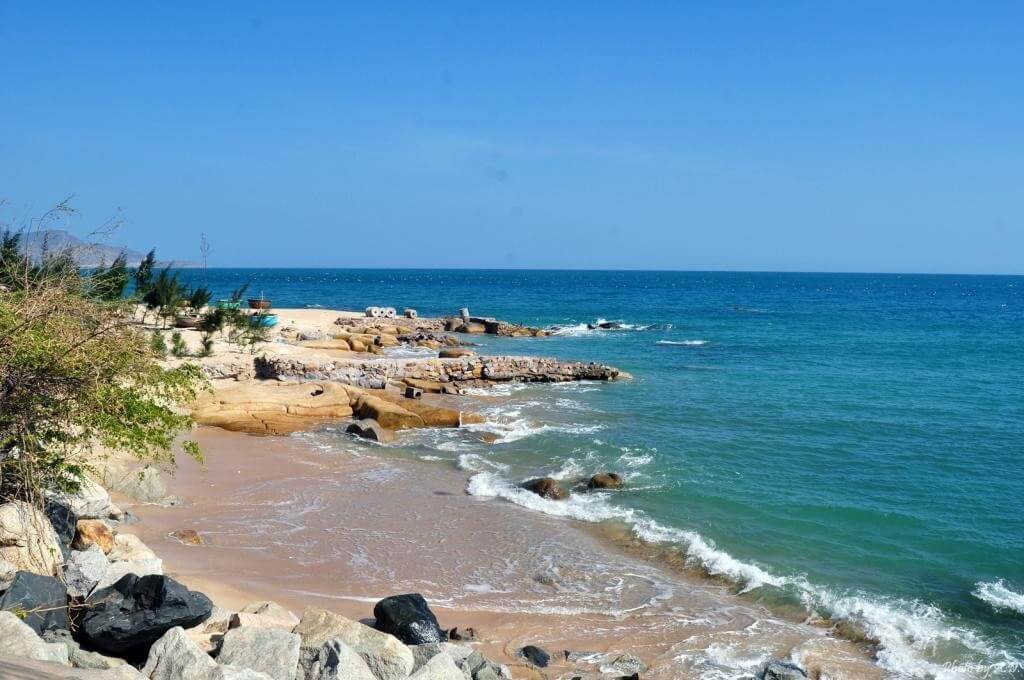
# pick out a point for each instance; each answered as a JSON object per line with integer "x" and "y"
{"x": 852, "y": 442}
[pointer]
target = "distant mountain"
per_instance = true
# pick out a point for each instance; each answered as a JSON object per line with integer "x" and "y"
{"x": 85, "y": 253}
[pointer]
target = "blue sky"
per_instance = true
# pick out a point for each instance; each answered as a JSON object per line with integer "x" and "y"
{"x": 825, "y": 136}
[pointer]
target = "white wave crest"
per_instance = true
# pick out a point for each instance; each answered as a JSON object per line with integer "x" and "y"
{"x": 682, "y": 343}
{"x": 595, "y": 327}
{"x": 999, "y": 596}
{"x": 910, "y": 633}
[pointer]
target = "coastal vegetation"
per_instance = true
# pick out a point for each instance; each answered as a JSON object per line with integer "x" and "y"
{"x": 76, "y": 374}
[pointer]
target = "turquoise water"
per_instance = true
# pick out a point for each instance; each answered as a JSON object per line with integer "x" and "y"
{"x": 854, "y": 443}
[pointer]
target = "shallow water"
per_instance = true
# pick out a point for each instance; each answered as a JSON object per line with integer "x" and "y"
{"x": 849, "y": 443}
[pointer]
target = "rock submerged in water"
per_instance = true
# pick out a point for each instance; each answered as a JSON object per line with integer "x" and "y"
{"x": 605, "y": 480}
{"x": 128, "y": 617}
{"x": 408, "y": 618}
{"x": 188, "y": 536}
{"x": 781, "y": 670}
{"x": 546, "y": 487}
{"x": 535, "y": 655}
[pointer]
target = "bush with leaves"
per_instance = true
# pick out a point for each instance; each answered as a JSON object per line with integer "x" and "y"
{"x": 75, "y": 373}
{"x": 178, "y": 346}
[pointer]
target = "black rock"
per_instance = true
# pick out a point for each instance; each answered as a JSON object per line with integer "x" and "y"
{"x": 41, "y": 601}
{"x": 409, "y": 619}
{"x": 126, "y": 618}
{"x": 535, "y": 655}
{"x": 63, "y": 519}
{"x": 781, "y": 670}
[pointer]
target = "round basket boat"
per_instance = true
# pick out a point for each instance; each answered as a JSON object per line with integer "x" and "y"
{"x": 259, "y": 303}
{"x": 186, "y": 322}
{"x": 265, "y": 320}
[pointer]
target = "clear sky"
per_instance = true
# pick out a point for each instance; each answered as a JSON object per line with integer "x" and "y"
{"x": 835, "y": 136}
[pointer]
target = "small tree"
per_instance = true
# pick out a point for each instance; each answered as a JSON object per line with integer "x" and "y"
{"x": 110, "y": 284}
{"x": 178, "y": 346}
{"x": 165, "y": 296}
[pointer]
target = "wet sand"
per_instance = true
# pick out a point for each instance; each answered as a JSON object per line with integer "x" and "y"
{"x": 309, "y": 525}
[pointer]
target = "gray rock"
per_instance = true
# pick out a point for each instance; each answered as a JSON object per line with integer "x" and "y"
{"x": 84, "y": 569}
{"x": 266, "y": 650}
{"x": 79, "y": 657}
{"x": 18, "y": 639}
{"x": 143, "y": 484}
{"x": 91, "y": 501}
{"x": 625, "y": 664}
{"x": 266, "y": 614}
{"x": 334, "y": 660}
{"x": 441, "y": 667}
{"x": 39, "y": 601}
{"x": 781, "y": 670}
{"x": 312, "y": 334}
{"x": 117, "y": 570}
{"x": 421, "y": 654}
{"x": 176, "y": 657}
{"x": 7, "y": 572}
{"x": 386, "y": 656}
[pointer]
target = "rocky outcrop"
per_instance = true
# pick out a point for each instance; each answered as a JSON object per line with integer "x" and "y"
{"x": 143, "y": 483}
{"x": 377, "y": 373}
{"x": 408, "y": 618}
{"x": 271, "y": 651}
{"x": 131, "y": 615}
{"x": 27, "y": 539}
{"x": 18, "y": 639}
{"x": 268, "y": 408}
{"x": 387, "y": 414}
{"x": 384, "y": 654}
{"x": 39, "y": 601}
{"x": 546, "y": 487}
{"x": 187, "y": 537}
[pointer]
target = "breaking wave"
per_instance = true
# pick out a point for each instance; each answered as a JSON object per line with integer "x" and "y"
{"x": 683, "y": 343}
{"x": 999, "y": 596}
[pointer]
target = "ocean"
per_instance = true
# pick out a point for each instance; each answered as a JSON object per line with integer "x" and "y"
{"x": 850, "y": 444}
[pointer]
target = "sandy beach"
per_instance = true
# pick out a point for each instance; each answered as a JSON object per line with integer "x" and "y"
{"x": 304, "y": 524}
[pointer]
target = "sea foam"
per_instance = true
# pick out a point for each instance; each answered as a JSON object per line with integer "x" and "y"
{"x": 999, "y": 596}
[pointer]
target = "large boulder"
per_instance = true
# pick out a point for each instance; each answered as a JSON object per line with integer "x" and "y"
{"x": 40, "y": 601}
{"x": 18, "y": 639}
{"x": 265, "y": 650}
{"x": 89, "y": 532}
{"x": 440, "y": 667}
{"x": 129, "y": 616}
{"x": 84, "y": 569}
{"x": 129, "y": 548}
{"x": 389, "y": 415}
{"x": 424, "y": 653}
{"x": 121, "y": 568}
{"x": 372, "y": 430}
{"x": 270, "y": 407}
{"x": 408, "y": 618}
{"x": 176, "y": 657}
{"x": 455, "y": 353}
{"x": 145, "y": 484}
{"x": 546, "y": 487}
{"x": 334, "y": 660}
{"x": 385, "y": 655}
{"x": 605, "y": 480}
{"x": 264, "y": 614}
{"x": 90, "y": 501}
{"x": 780, "y": 670}
{"x": 27, "y": 539}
